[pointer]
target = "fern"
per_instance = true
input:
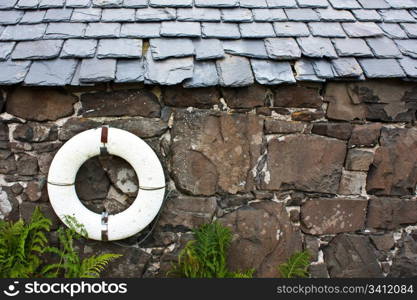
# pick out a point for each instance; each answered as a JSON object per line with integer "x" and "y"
{"x": 206, "y": 255}
{"x": 296, "y": 266}
{"x": 21, "y": 246}
{"x": 92, "y": 266}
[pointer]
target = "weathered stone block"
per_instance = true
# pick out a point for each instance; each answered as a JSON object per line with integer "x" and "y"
{"x": 74, "y": 126}
{"x": 352, "y": 256}
{"x": 200, "y": 97}
{"x": 365, "y": 135}
{"x": 27, "y": 165}
{"x": 390, "y": 213}
{"x": 213, "y": 153}
{"x": 394, "y": 169}
{"x": 302, "y": 96}
{"x": 91, "y": 182}
{"x": 383, "y": 242}
{"x": 40, "y": 104}
{"x": 359, "y": 159}
{"x": 120, "y": 103}
{"x": 340, "y": 131}
{"x": 263, "y": 238}
{"x": 352, "y": 183}
{"x": 279, "y": 126}
{"x": 142, "y": 127}
{"x": 33, "y": 191}
{"x": 35, "y": 132}
{"x": 405, "y": 260}
{"x": 331, "y": 216}
{"x": 341, "y": 105}
{"x": 304, "y": 162}
{"x": 4, "y": 131}
{"x": 245, "y": 97}
{"x": 188, "y": 212}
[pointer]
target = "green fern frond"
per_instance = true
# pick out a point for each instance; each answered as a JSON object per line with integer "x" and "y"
{"x": 296, "y": 266}
{"x": 92, "y": 267}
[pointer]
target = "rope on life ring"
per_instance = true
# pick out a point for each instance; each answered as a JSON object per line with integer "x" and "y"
{"x": 113, "y": 141}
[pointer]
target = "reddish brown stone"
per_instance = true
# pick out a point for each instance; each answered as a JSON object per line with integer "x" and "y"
{"x": 27, "y": 165}
{"x": 279, "y": 126}
{"x": 359, "y": 159}
{"x": 389, "y": 213}
{"x": 33, "y": 191}
{"x": 304, "y": 162}
{"x": 177, "y": 96}
{"x": 341, "y": 105}
{"x": 365, "y": 135}
{"x": 331, "y": 216}
{"x": 245, "y": 97}
{"x": 384, "y": 242}
{"x": 35, "y": 132}
{"x": 394, "y": 169}
{"x": 142, "y": 127}
{"x": 335, "y": 130}
{"x": 306, "y": 115}
{"x": 37, "y": 104}
{"x": 74, "y": 126}
{"x": 301, "y": 96}
{"x": 4, "y": 132}
{"x": 263, "y": 238}
{"x": 120, "y": 103}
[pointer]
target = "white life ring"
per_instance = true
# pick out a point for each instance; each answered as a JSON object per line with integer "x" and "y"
{"x": 142, "y": 158}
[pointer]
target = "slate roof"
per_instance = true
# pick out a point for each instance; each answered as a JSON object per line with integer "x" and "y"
{"x": 205, "y": 42}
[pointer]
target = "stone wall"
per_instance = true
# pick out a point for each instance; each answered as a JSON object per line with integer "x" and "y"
{"x": 331, "y": 168}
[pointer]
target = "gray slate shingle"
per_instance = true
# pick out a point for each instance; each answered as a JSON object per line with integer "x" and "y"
{"x": 331, "y": 29}
{"x": 216, "y": 3}
{"x": 58, "y": 15}
{"x": 410, "y": 29}
{"x": 130, "y": 70}
{"x": 8, "y": 17}
{"x": 282, "y": 48}
{"x": 305, "y": 71}
{"x": 345, "y": 4}
{"x": 256, "y": 30}
{"x": 352, "y": 47}
{"x": 57, "y": 72}
{"x": 234, "y": 71}
{"x": 180, "y": 29}
{"x": 381, "y": 68}
{"x": 236, "y": 15}
{"x": 301, "y": 14}
{"x": 198, "y": 14}
{"x": 97, "y": 70}
{"x": 409, "y": 66}
{"x": 167, "y": 47}
{"x": 86, "y": 15}
{"x": 316, "y": 47}
{"x": 155, "y": 14}
{"x": 107, "y": 3}
{"x": 171, "y": 3}
{"x": 271, "y": 72}
{"x": 118, "y": 15}
{"x": 7, "y": 4}
{"x": 119, "y": 48}
{"x": 407, "y": 47}
{"x": 142, "y": 30}
{"x": 204, "y": 75}
{"x": 362, "y": 29}
{"x": 396, "y": 15}
{"x": 347, "y": 67}
{"x": 27, "y": 4}
{"x": 291, "y": 29}
{"x": 44, "y": 49}
{"x": 33, "y": 17}
{"x": 220, "y": 30}
{"x": 102, "y": 30}
{"x": 65, "y": 30}
{"x": 135, "y": 3}
{"x": 208, "y": 49}
{"x": 248, "y": 48}
{"x": 393, "y": 31}
{"x": 5, "y": 49}
{"x": 13, "y": 72}
{"x": 383, "y": 47}
{"x": 374, "y": 4}
{"x": 78, "y": 3}
{"x": 79, "y": 48}
{"x": 269, "y": 15}
{"x": 367, "y": 15}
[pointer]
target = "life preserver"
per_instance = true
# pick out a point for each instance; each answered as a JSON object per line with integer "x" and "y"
{"x": 90, "y": 143}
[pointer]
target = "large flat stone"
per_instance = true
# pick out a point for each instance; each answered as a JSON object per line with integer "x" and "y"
{"x": 234, "y": 71}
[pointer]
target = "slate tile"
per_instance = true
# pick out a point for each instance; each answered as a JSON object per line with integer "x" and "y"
{"x": 272, "y": 72}
{"x": 57, "y": 72}
{"x": 291, "y": 29}
{"x": 383, "y": 47}
{"x": 409, "y": 66}
{"x": 130, "y": 70}
{"x": 234, "y": 71}
{"x": 345, "y": 4}
{"x": 118, "y": 15}
{"x": 352, "y": 47}
{"x": 367, "y": 15}
{"x": 198, "y": 14}
{"x": 13, "y": 72}
{"x": 27, "y": 4}
{"x": 140, "y": 30}
{"x": 169, "y": 71}
{"x": 256, "y": 30}
{"x": 97, "y": 70}
{"x": 7, "y": 4}
{"x": 248, "y": 48}
{"x": 220, "y": 30}
{"x": 396, "y": 16}
{"x": 33, "y": 17}
{"x": 86, "y": 15}
{"x": 282, "y": 48}
{"x": 51, "y": 3}
{"x": 23, "y": 32}
{"x": 119, "y": 48}
{"x": 216, "y": 3}
{"x": 79, "y": 48}
{"x": 155, "y": 14}
{"x": 402, "y": 3}
{"x": 5, "y": 49}
{"x": 44, "y": 49}
{"x": 65, "y": 30}
{"x": 135, "y": 3}
{"x": 171, "y": 3}
{"x": 316, "y": 47}
{"x": 323, "y": 68}
{"x": 313, "y": 3}
{"x": 253, "y": 3}
{"x": 204, "y": 75}
{"x": 281, "y": 3}
{"x": 9, "y": 17}
{"x": 78, "y": 3}
{"x": 269, "y": 15}
{"x": 362, "y": 29}
{"x": 331, "y": 29}
{"x": 334, "y": 15}
{"x": 374, "y": 4}
{"x": 102, "y": 30}
{"x": 208, "y": 49}
{"x": 236, "y": 15}
{"x": 347, "y": 67}
{"x": 381, "y": 68}
{"x": 171, "y": 47}
{"x": 407, "y": 47}
{"x": 305, "y": 71}
{"x": 107, "y": 3}
{"x": 410, "y": 29}
{"x": 393, "y": 31}
{"x": 58, "y": 15}
{"x": 180, "y": 29}
{"x": 301, "y": 14}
